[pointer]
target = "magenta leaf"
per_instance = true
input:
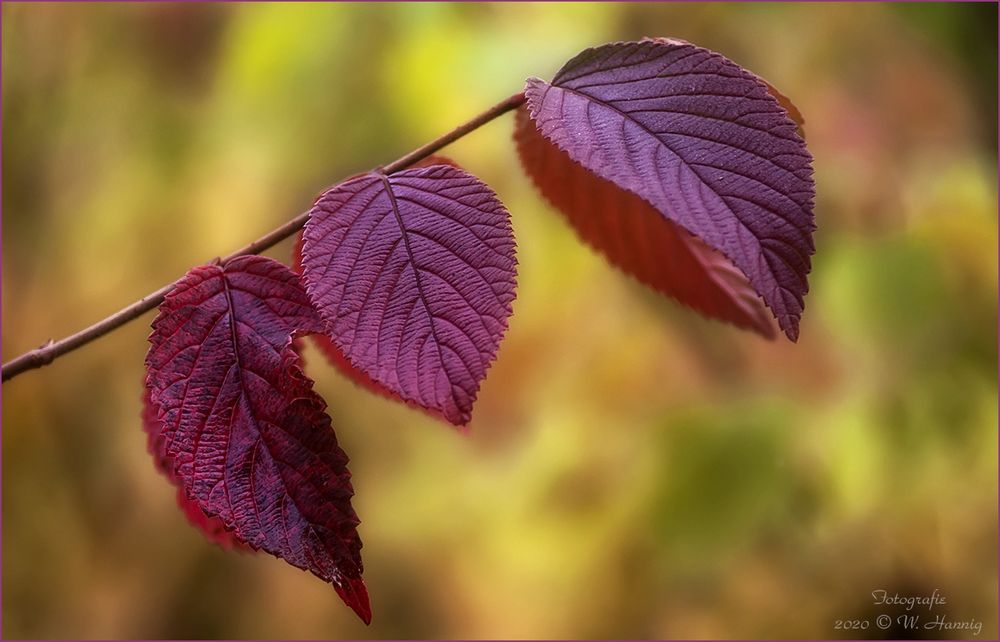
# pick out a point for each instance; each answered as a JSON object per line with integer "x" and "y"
{"x": 414, "y": 275}
{"x": 248, "y": 438}
{"x": 702, "y": 141}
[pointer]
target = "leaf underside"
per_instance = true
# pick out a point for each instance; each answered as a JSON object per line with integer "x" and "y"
{"x": 704, "y": 143}
{"x": 248, "y": 438}
{"x": 413, "y": 274}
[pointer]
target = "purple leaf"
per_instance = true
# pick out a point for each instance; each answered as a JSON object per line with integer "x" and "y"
{"x": 245, "y": 433}
{"x": 414, "y": 274}
{"x": 334, "y": 356}
{"x": 701, "y": 140}
{"x": 637, "y": 238}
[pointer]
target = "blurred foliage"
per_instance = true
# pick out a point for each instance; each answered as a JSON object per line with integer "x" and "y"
{"x": 632, "y": 469}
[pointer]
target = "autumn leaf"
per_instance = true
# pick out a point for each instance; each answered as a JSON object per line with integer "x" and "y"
{"x": 414, "y": 275}
{"x": 701, "y": 141}
{"x": 248, "y": 438}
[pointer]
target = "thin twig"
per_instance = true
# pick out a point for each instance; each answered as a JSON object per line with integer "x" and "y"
{"x": 52, "y": 350}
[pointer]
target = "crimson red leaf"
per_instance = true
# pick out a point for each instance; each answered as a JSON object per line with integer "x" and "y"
{"x": 637, "y": 238}
{"x": 247, "y": 436}
{"x": 211, "y": 526}
{"x": 703, "y": 142}
{"x": 414, "y": 275}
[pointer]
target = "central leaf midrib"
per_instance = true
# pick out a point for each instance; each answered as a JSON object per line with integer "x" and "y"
{"x": 416, "y": 272}
{"x": 229, "y": 433}
{"x": 693, "y": 170}
{"x": 653, "y": 135}
{"x": 260, "y": 440}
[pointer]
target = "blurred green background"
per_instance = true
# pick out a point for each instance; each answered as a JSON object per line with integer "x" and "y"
{"x": 632, "y": 470}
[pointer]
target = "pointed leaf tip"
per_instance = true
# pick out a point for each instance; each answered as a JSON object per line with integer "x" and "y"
{"x": 354, "y": 593}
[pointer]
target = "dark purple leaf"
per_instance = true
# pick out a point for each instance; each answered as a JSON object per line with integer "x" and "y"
{"x": 637, "y": 238}
{"x": 247, "y": 436}
{"x": 414, "y": 275}
{"x": 702, "y": 141}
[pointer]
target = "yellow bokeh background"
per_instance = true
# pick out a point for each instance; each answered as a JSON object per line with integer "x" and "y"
{"x": 632, "y": 470}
